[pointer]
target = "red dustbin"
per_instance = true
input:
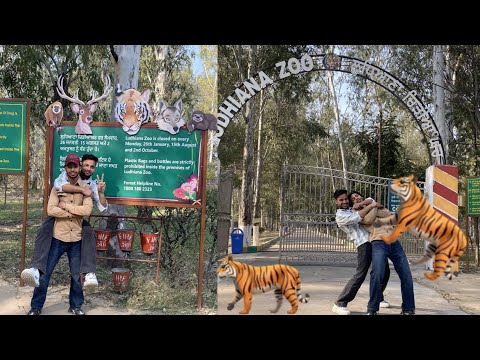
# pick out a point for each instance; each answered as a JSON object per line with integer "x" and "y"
{"x": 102, "y": 237}
{"x": 121, "y": 277}
{"x": 126, "y": 235}
{"x": 148, "y": 239}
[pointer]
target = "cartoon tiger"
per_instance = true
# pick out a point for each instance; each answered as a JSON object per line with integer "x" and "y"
{"x": 132, "y": 109}
{"x": 447, "y": 240}
{"x": 284, "y": 278}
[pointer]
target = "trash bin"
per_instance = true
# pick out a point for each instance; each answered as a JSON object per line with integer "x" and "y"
{"x": 237, "y": 241}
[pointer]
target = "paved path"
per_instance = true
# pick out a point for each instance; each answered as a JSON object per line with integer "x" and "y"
{"x": 324, "y": 284}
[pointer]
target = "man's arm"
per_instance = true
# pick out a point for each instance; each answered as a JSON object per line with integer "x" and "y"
{"x": 98, "y": 196}
{"x": 370, "y": 216}
{"x": 63, "y": 185}
{"x": 80, "y": 210}
{"x": 366, "y": 209}
{"x": 345, "y": 218}
{"x": 53, "y": 208}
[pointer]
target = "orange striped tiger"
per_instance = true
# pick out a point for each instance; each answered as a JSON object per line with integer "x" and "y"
{"x": 284, "y": 278}
{"x": 447, "y": 240}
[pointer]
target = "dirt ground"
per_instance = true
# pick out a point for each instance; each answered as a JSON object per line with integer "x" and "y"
{"x": 463, "y": 292}
{"x": 15, "y": 300}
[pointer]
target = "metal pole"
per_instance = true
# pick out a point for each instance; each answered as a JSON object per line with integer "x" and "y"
{"x": 468, "y": 241}
{"x": 202, "y": 217}
{"x": 25, "y": 190}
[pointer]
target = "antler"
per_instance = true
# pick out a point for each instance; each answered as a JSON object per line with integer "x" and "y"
{"x": 106, "y": 91}
{"x": 62, "y": 94}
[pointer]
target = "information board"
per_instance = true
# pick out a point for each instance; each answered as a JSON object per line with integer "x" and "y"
{"x": 393, "y": 200}
{"x": 13, "y": 136}
{"x": 151, "y": 166}
{"x": 473, "y": 196}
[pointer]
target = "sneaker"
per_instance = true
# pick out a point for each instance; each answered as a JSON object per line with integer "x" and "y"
{"x": 370, "y": 312}
{"x": 384, "y": 304}
{"x": 90, "y": 282}
{"x": 31, "y": 277}
{"x": 407, "y": 312}
{"x": 34, "y": 312}
{"x": 78, "y": 311}
{"x": 340, "y": 310}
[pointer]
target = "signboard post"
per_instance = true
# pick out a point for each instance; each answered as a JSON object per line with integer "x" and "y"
{"x": 14, "y": 139}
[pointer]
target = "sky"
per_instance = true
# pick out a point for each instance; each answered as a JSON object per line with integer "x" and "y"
{"x": 197, "y": 61}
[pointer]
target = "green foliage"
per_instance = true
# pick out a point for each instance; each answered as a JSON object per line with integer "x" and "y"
{"x": 175, "y": 70}
{"x": 31, "y": 71}
{"x": 464, "y": 116}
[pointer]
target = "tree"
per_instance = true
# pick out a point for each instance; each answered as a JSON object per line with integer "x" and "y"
{"x": 127, "y": 68}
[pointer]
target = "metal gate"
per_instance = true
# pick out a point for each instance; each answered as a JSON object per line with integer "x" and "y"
{"x": 309, "y": 232}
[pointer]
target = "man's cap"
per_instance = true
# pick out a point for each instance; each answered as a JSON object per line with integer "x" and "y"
{"x": 72, "y": 158}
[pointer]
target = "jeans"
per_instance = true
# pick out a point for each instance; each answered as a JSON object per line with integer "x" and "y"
{"x": 364, "y": 259}
{"x": 43, "y": 241}
{"x": 57, "y": 249}
{"x": 380, "y": 252}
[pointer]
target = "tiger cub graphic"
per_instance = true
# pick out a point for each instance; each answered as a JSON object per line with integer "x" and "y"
{"x": 284, "y": 278}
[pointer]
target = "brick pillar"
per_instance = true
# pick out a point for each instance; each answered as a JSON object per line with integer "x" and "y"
{"x": 441, "y": 191}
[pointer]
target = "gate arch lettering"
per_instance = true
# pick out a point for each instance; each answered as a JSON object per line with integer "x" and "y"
{"x": 333, "y": 62}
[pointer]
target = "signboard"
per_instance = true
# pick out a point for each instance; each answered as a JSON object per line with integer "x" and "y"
{"x": 393, "y": 200}
{"x": 473, "y": 196}
{"x": 148, "y": 168}
{"x": 13, "y": 137}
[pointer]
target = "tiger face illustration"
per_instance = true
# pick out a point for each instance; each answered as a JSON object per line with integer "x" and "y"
{"x": 132, "y": 109}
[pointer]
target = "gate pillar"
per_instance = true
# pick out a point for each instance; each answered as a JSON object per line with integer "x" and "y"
{"x": 441, "y": 191}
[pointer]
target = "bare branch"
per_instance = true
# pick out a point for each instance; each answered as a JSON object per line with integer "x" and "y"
{"x": 106, "y": 91}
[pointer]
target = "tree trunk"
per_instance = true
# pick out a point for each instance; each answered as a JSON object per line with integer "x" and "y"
{"x": 258, "y": 175}
{"x": 331, "y": 86}
{"x": 246, "y": 197}
{"x": 379, "y": 156}
{"x": 127, "y": 63}
{"x": 161, "y": 52}
{"x": 439, "y": 95}
{"x": 224, "y": 201}
{"x": 126, "y": 75}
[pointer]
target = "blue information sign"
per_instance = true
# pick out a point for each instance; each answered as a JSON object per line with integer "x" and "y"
{"x": 393, "y": 200}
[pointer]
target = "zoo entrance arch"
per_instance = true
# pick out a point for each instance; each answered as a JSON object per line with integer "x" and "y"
{"x": 323, "y": 221}
{"x": 333, "y": 62}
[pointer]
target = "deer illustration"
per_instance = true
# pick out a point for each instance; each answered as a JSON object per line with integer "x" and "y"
{"x": 83, "y": 110}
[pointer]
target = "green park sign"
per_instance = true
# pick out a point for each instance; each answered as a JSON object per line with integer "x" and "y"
{"x": 473, "y": 196}
{"x": 148, "y": 168}
{"x": 13, "y": 136}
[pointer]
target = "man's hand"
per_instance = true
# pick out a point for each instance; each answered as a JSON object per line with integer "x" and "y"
{"x": 357, "y": 206}
{"x": 101, "y": 185}
{"x": 86, "y": 191}
{"x": 362, "y": 204}
{"x": 61, "y": 205}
